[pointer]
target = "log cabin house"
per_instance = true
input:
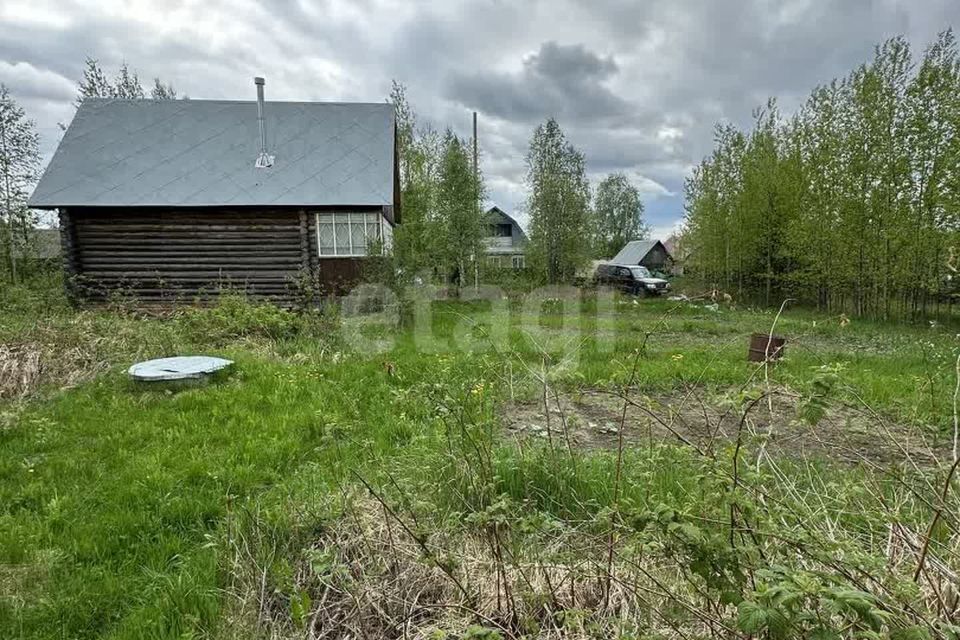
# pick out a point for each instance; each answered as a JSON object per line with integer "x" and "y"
{"x": 506, "y": 242}
{"x": 181, "y": 199}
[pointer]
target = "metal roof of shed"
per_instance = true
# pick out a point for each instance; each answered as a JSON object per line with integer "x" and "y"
{"x": 201, "y": 153}
{"x": 635, "y": 251}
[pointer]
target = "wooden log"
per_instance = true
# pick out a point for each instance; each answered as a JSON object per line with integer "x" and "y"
{"x": 68, "y": 246}
{"x": 172, "y": 243}
{"x": 174, "y": 227}
{"x": 176, "y": 279}
{"x": 226, "y": 272}
{"x": 304, "y": 242}
{"x": 145, "y": 255}
{"x": 278, "y": 290}
{"x": 136, "y": 213}
{"x": 225, "y": 260}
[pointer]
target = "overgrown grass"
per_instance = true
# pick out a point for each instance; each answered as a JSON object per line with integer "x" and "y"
{"x": 316, "y": 474}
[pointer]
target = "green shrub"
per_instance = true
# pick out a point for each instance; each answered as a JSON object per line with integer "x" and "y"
{"x": 237, "y": 317}
{"x": 42, "y": 294}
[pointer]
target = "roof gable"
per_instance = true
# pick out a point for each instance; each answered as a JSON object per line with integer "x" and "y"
{"x": 635, "y": 251}
{"x": 496, "y": 215}
{"x": 202, "y": 152}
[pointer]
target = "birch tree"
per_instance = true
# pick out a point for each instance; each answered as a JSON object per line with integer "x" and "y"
{"x": 851, "y": 204}
{"x": 558, "y": 205}
{"x": 461, "y": 224}
{"x": 19, "y": 165}
{"x": 162, "y": 91}
{"x": 619, "y": 214}
{"x": 419, "y": 150}
{"x": 127, "y": 84}
{"x": 95, "y": 83}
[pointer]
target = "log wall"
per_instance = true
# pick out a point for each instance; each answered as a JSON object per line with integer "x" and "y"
{"x": 165, "y": 255}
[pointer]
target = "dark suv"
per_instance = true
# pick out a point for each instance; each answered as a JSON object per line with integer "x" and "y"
{"x": 631, "y": 279}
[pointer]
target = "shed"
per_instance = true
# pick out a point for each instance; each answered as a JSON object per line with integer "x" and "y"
{"x": 648, "y": 253}
{"x": 163, "y": 199}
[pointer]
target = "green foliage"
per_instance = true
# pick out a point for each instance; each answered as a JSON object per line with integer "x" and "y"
{"x": 481, "y": 633}
{"x": 440, "y": 195}
{"x": 851, "y": 203}
{"x": 797, "y": 603}
{"x": 235, "y": 317}
{"x": 459, "y": 221}
{"x": 41, "y": 292}
{"x": 559, "y": 206}
{"x": 19, "y": 167}
{"x": 619, "y": 215}
{"x": 96, "y": 84}
{"x": 822, "y": 388}
{"x": 300, "y": 607}
{"x": 418, "y": 150}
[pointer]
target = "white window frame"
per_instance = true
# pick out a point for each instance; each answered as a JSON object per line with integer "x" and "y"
{"x": 518, "y": 261}
{"x": 333, "y": 224}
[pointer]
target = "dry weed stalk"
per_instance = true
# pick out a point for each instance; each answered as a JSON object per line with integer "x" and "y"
{"x": 374, "y": 581}
{"x": 20, "y": 369}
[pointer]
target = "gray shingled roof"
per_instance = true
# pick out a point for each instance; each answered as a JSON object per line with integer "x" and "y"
{"x": 202, "y": 153}
{"x": 634, "y": 251}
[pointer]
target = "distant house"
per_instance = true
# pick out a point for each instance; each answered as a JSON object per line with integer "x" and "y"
{"x": 651, "y": 254}
{"x": 506, "y": 242}
{"x": 679, "y": 251}
{"x": 168, "y": 198}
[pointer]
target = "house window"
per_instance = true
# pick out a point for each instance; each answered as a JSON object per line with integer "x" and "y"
{"x": 501, "y": 231}
{"x": 348, "y": 234}
{"x": 518, "y": 262}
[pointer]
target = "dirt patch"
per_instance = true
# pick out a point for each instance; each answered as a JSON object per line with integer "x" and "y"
{"x": 591, "y": 420}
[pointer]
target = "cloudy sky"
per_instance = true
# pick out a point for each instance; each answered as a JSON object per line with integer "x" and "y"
{"x": 637, "y": 84}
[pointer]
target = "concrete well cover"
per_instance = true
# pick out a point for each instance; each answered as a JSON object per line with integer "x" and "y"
{"x": 177, "y": 368}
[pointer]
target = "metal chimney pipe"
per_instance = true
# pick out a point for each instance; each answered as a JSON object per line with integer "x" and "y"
{"x": 264, "y": 159}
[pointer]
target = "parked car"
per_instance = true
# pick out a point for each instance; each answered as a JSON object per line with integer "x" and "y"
{"x": 630, "y": 279}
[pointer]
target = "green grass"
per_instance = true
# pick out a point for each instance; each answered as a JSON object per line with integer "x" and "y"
{"x": 115, "y": 500}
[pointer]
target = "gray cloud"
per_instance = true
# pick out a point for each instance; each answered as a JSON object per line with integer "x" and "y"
{"x": 638, "y": 86}
{"x": 567, "y": 81}
{"x": 570, "y": 64}
{"x": 36, "y": 84}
